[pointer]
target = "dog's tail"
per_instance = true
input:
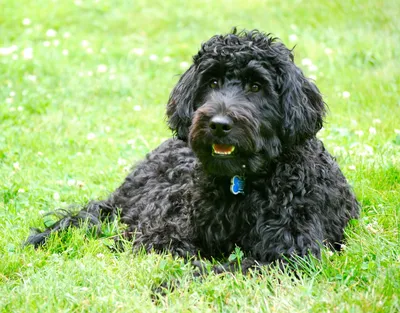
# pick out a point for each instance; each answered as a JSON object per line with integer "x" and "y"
{"x": 92, "y": 215}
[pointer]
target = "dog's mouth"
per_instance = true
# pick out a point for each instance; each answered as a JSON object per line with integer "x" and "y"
{"x": 221, "y": 150}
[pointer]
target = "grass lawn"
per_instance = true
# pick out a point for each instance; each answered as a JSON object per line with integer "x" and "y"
{"x": 83, "y": 88}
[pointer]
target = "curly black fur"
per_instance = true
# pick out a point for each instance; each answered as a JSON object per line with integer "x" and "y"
{"x": 242, "y": 90}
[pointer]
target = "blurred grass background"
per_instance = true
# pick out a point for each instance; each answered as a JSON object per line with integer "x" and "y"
{"x": 83, "y": 88}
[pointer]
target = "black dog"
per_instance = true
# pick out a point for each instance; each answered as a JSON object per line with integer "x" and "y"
{"x": 244, "y": 168}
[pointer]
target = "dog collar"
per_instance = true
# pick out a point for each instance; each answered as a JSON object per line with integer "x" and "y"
{"x": 237, "y": 184}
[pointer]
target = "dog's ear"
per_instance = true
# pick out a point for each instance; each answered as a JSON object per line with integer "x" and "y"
{"x": 301, "y": 102}
{"x": 180, "y": 105}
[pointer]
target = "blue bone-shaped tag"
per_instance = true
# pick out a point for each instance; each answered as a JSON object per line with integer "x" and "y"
{"x": 237, "y": 185}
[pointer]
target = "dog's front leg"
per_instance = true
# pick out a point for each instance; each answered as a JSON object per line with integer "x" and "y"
{"x": 286, "y": 241}
{"x": 281, "y": 245}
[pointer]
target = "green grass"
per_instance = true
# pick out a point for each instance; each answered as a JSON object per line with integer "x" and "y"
{"x": 70, "y": 127}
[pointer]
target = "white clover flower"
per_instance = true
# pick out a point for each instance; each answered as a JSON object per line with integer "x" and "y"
{"x": 91, "y": 136}
{"x": 137, "y": 108}
{"x": 16, "y": 166}
{"x": 12, "y": 93}
{"x": 372, "y": 130}
{"x": 306, "y": 62}
{"x": 20, "y": 108}
{"x": 102, "y": 68}
{"x": 338, "y": 150}
{"x": 367, "y": 151}
{"x": 328, "y": 51}
{"x": 56, "y": 196}
{"x": 313, "y": 68}
{"x": 352, "y": 167}
{"x": 65, "y": 52}
{"x": 71, "y": 182}
{"x": 122, "y": 161}
{"x": 346, "y": 94}
{"x": 153, "y": 57}
{"x": 27, "y": 53}
{"x": 26, "y": 21}
{"x": 9, "y": 100}
{"x": 32, "y": 78}
{"x": 56, "y": 43}
{"x": 184, "y": 64}
{"x": 66, "y": 35}
{"x": 359, "y": 133}
{"x": 21, "y": 190}
{"x": 85, "y": 43}
{"x": 51, "y": 33}
{"x": 292, "y": 37}
{"x": 8, "y": 50}
{"x": 89, "y": 50}
{"x": 138, "y": 51}
{"x": 372, "y": 228}
{"x": 329, "y": 253}
{"x": 166, "y": 59}
{"x": 376, "y": 121}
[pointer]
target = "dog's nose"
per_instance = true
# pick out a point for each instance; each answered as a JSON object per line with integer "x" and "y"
{"x": 221, "y": 125}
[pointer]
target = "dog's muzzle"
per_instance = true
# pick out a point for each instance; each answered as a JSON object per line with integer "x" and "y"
{"x": 221, "y": 126}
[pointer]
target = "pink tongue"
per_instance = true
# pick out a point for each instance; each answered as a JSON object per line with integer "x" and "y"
{"x": 222, "y": 148}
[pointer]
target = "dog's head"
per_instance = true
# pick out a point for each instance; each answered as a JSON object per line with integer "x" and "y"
{"x": 242, "y": 101}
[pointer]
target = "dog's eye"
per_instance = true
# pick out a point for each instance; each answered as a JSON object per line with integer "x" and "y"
{"x": 213, "y": 83}
{"x": 255, "y": 88}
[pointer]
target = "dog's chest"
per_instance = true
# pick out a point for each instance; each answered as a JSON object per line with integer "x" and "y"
{"x": 221, "y": 219}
